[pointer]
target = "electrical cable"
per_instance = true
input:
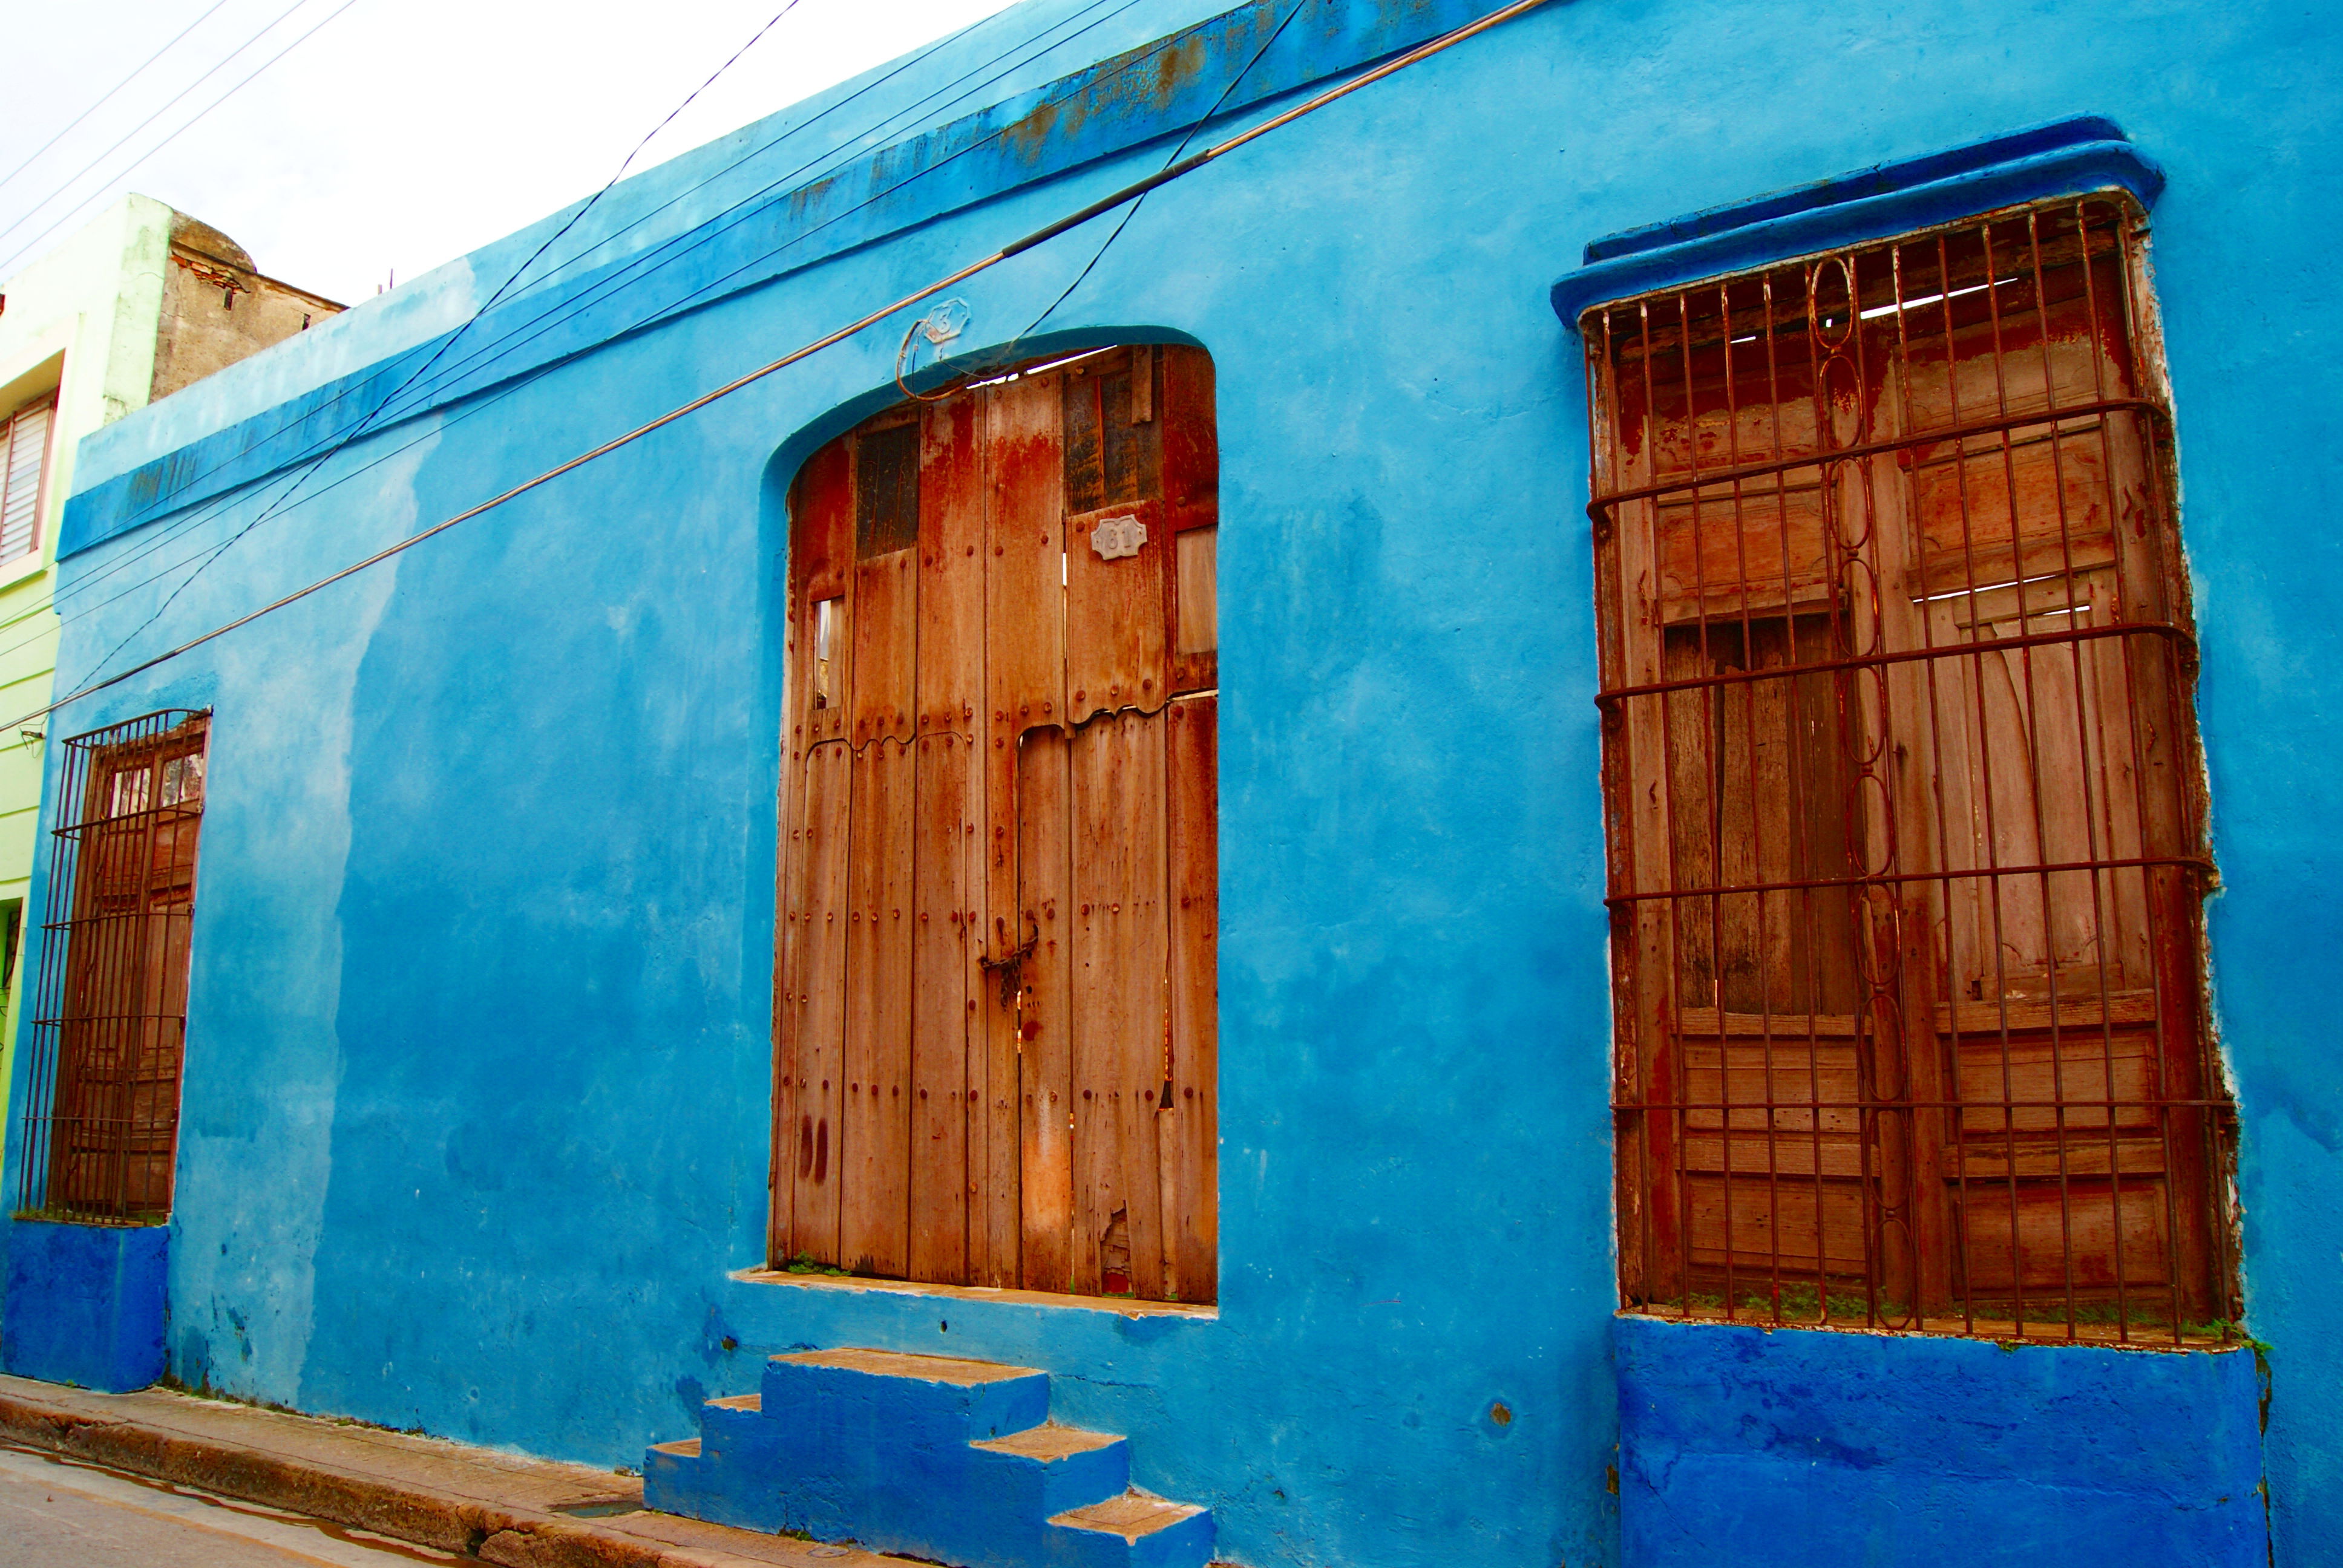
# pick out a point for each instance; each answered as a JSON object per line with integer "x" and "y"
{"x": 1124, "y": 222}
{"x": 103, "y": 97}
{"x": 1007, "y": 354}
{"x": 694, "y": 238}
{"x": 203, "y": 512}
{"x": 1042, "y": 235}
{"x": 273, "y": 506}
{"x": 741, "y": 210}
{"x": 553, "y": 319}
{"x": 70, "y": 212}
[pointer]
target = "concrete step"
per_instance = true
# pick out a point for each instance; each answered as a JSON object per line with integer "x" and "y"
{"x": 938, "y": 1457}
{"x": 1048, "y": 1469}
{"x": 1135, "y": 1530}
{"x": 948, "y": 1397}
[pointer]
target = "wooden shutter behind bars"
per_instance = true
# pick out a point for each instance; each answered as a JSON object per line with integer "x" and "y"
{"x": 996, "y": 995}
{"x": 24, "y": 464}
{"x": 1906, "y": 848}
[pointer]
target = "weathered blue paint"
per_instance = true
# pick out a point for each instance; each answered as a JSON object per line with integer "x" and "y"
{"x": 2069, "y": 157}
{"x": 1801, "y": 1446}
{"x": 84, "y": 1304}
{"x": 479, "y": 1053}
{"x": 906, "y": 1462}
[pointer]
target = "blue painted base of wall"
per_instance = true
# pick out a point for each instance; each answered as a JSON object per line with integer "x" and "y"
{"x": 84, "y": 1303}
{"x": 1744, "y": 1446}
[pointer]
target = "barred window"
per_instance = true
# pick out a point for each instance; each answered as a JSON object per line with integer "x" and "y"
{"x": 1907, "y": 846}
{"x": 109, "y": 1027}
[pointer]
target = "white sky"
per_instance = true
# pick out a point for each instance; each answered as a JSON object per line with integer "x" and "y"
{"x": 404, "y": 133}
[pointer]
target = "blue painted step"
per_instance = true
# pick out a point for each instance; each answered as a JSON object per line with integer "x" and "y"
{"x": 932, "y": 1456}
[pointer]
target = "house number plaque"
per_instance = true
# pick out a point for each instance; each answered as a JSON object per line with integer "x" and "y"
{"x": 1116, "y": 538}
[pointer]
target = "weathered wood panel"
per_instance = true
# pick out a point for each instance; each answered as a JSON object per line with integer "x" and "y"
{"x": 1115, "y": 619}
{"x": 886, "y": 635}
{"x": 1191, "y": 1137}
{"x": 1025, "y": 666}
{"x": 1121, "y": 984}
{"x": 1191, "y": 510}
{"x": 1045, "y": 1012}
{"x": 821, "y": 567}
{"x": 875, "y": 1170}
{"x": 819, "y": 1074}
{"x": 943, "y": 1005}
{"x": 950, "y": 656}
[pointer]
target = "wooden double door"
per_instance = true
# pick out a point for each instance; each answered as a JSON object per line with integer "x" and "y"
{"x": 996, "y": 992}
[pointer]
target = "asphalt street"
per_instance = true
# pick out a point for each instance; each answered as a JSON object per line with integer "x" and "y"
{"x": 55, "y": 1515}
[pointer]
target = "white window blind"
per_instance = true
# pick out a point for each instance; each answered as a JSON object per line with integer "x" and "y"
{"x": 24, "y": 446}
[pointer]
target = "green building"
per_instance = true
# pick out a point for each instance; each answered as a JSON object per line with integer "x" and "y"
{"x": 137, "y": 304}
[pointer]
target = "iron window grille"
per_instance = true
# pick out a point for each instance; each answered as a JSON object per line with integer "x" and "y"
{"x": 1903, "y": 803}
{"x": 109, "y": 1027}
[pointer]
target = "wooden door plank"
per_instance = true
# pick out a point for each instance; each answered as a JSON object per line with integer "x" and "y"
{"x": 789, "y": 964}
{"x": 875, "y": 1200}
{"x": 1024, "y": 674}
{"x": 1191, "y": 450}
{"x": 1045, "y": 1014}
{"x": 1121, "y": 1004}
{"x": 821, "y": 567}
{"x": 820, "y": 544}
{"x": 1191, "y": 756}
{"x": 821, "y": 1003}
{"x": 1191, "y": 478}
{"x": 950, "y": 654}
{"x": 1116, "y": 651}
{"x": 941, "y": 1009}
{"x": 886, "y": 627}
{"x": 821, "y": 523}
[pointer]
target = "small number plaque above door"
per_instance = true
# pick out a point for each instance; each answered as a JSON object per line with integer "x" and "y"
{"x": 1116, "y": 538}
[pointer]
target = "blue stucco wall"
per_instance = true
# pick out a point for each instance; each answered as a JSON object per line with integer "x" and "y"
{"x": 478, "y": 1054}
{"x": 1744, "y": 1446}
{"x": 84, "y": 1304}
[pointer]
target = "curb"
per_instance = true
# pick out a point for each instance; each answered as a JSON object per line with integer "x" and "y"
{"x": 491, "y": 1532}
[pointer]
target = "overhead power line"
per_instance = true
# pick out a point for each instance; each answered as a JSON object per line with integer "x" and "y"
{"x": 625, "y": 274}
{"x": 72, "y": 211}
{"x": 1038, "y": 42}
{"x": 284, "y": 497}
{"x": 1042, "y": 235}
{"x": 107, "y": 96}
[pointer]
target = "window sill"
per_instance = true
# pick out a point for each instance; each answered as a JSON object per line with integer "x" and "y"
{"x": 1117, "y": 1305}
{"x": 30, "y": 564}
{"x": 2140, "y": 1337}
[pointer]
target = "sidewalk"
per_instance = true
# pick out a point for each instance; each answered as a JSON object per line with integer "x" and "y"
{"x": 519, "y": 1512}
